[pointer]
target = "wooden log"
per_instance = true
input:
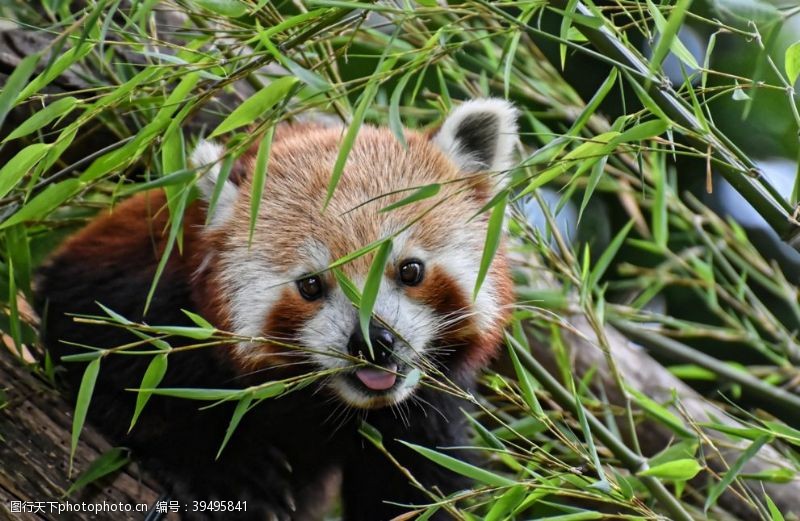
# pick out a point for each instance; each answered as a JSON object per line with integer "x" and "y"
{"x": 35, "y": 433}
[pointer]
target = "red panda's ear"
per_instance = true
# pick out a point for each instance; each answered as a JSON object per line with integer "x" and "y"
{"x": 480, "y": 135}
{"x": 207, "y": 159}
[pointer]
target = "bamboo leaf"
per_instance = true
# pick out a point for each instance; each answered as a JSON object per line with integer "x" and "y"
{"x": 371, "y": 288}
{"x": 608, "y": 255}
{"x": 352, "y": 130}
{"x": 460, "y": 467}
{"x": 424, "y": 192}
{"x": 717, "y": 489}
{"x": 43, "y": 117}
{"x": 668, "y": 39}
{"x": 256, "y": 105}
{"x": 109, "y": 462}
{"x": 44, "y": 203}
{"x": 792, "y": 62}
{"x": 677, "y": 470}
{"x": 15, "y": 83}
{"x": 85, "y": 392}
{"x": 238, "y": 413}
{"x": 55, "y": 70}
{"x": 212, "y": 395}
{"x": 19, "y": 165}
{"x": 153, "y": 375}
{"x": 494, "y": 234}
{"x": 259, "y": 179}
{"x": 227, "y": 8}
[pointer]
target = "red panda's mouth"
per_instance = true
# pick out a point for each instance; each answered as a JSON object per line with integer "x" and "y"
{"x": 378, "y": 379}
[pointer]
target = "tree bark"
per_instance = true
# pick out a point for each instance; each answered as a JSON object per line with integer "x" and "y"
{"x": 35, "y": 433}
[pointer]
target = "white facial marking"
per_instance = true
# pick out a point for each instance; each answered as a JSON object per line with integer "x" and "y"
{"x": 254, "y": 288}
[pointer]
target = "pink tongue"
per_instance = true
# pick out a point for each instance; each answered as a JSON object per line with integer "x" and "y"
{"x": 376, "y": 379}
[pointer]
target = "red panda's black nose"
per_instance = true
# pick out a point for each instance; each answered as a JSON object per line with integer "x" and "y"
{"x": 382, "y": 344}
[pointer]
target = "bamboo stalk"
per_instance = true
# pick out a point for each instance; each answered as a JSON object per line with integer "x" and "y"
{"x": 632, "y": 461}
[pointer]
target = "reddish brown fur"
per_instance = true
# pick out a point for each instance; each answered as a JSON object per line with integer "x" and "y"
{"x": 299, "y": 172}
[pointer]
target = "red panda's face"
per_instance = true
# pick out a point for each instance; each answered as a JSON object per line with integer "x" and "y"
{"x": 279, "y": 286}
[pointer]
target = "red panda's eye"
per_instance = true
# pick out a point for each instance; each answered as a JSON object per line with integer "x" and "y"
{"x": 411, "y": 272}
{"x": 310, "y": 287}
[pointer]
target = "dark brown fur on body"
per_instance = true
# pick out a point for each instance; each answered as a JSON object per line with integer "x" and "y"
{"x": 285, "y": 450}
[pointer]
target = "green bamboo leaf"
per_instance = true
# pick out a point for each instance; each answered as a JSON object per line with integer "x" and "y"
{"x": 526, "y": 383}
{"x": 176, "y": 226}
{"x": 173, "y": 160}
{"x": 15, "y": 83}
{"x": 395, "y": 123}
{"x": 594, "y": 178}
{"x": 349, "y": 289}
{"x": 116, "y": 317}
{"x": 677, "y": 470}
{"x": 460, "y": 467}
{"x": 180, "y": 177}
{"x": 660, "y": 223}
{"x": 55, "y": 69}
{"x": 60, "y": 145}
{"x": 227, "y": 8}
{"x": 238, "y": 413}
{"x": 224, "y": 174}
{"x": 310, "y": 78}
{"x": 594, "y": 104}
{"x": 44, "y": 203}
{"x": 352, "y": 130}
{"x": 792, "y": 62}
{"x": 491, "y": 441}
{"x": 356, "y": 254}
{"x": 153, "y": 375}
{"x": 566, "y": 23}
{"x": 164, "y": 118}
{"x": 211, "y": 395}
{"x": 411, "y": 379}
{"x": 256, "y": 105}
{"x": 647, "y": 130}
{"x": 608, "y": 255}
{"x": 19, "y": 260}
{"x": 43, "y": 117}
{"x": 421, "y": 193}
{"x": 259, "y": 180}
{"x": 371, "y": 288}
{"x": 682, "y": 450}
{"x": 668, "y": 39}
{"x": 19, "y": 165}
{"x": 85, "y": 392}
{"x": 781, "y": 475}
{"x": 198, "y": 320}
{"x": 774, "y": 513}
{"x": 577, "y": 516}
{"x": 504, "y": 505}
{"x": 107, "y": 463}
{"x": 494, "y": 233}
{"x": 371, "y": 433}
{"x": 15, "y": 324}
{"x": 659, "y": 412}
{"x": 585, "y": 155}
{"x": 196, "y": 333}
{"x": 717, "y": 489}
{"x": 271, "y": 390}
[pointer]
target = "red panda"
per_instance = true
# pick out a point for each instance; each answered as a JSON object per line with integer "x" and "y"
{"x": 276, "y": 286}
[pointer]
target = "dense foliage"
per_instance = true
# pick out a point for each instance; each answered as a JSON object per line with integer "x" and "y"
{"x": 643, "y": 206}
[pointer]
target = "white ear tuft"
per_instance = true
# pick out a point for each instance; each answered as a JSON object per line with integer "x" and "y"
{"x": 480, "y": 135}
{"x": 207, "y": 158}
